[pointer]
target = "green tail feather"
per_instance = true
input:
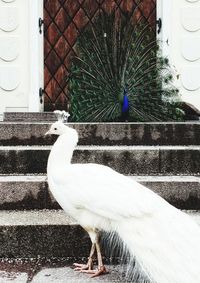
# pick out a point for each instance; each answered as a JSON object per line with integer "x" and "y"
{"x": 114, "y": 53}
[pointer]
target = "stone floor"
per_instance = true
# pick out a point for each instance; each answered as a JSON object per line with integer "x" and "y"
{"x": 37, "y": 272}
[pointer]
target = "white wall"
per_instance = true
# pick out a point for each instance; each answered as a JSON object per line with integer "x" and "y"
{"x": 18, "y": 56}
{"x": 182, "y": 29}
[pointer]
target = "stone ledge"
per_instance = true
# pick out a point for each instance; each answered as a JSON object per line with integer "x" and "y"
{"x": 146, "y": 160}
{"x": 105, "y": 134}
{"x": 46, "y": 234}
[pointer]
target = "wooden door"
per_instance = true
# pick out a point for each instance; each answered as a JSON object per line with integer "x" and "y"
{"x": 64, "y": 21}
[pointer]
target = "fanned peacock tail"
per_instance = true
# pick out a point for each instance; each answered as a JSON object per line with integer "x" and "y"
{"x": 119, "y": 73}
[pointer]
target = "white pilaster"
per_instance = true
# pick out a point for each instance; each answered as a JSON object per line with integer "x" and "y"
{"x": 36, "y": 55}
{"x": 21, "y": 55}
{"x": 184, "y": 47}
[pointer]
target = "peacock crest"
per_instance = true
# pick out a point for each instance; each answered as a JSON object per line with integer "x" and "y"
{"x": 119, "y": 73}
{"x": 62, "y": 116}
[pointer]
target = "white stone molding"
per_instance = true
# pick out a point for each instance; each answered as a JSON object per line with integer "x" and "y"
{"x": 190, "y": 18}
{"x": 8, "y": 18}
{"x": 190, "y": 48}
{"x": 190, "y": 77}
{"x": 14, "y": 55}
{"x": 9, "y": 48}
{"x": 8, "y": 1}
{"x": 192, "y": 1}
{"x": 9, "y": 77}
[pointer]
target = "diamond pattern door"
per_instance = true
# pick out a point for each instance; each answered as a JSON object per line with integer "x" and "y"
{"x": 64, "y": 21}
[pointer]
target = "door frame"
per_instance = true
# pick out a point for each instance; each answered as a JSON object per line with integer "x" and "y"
{"x": 164, "y": 11}
{"x": 36, "y": 56}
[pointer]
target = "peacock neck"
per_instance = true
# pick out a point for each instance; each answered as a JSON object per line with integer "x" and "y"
{"x": 61, "y": 152}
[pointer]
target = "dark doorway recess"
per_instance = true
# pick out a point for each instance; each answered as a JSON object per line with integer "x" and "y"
{"x": 64, "y": 21}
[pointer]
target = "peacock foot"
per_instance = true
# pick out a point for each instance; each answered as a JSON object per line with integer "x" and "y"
{"x": 80, "y": 267}
{"x": 94, "y": 273}
{"x": 88, "y": 268}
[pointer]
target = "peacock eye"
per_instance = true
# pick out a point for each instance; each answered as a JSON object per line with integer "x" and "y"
{"x": 55, "y": 129}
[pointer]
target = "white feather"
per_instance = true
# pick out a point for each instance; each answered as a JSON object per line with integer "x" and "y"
{"x": 165, "y": 241}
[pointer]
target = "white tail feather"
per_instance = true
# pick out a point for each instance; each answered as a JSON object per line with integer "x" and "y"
{"x": 167, "y": 248}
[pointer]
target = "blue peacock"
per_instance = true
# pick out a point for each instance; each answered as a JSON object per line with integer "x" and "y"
{"x": 119, "y": 74}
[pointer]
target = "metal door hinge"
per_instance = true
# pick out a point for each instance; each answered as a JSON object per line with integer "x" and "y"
{"x": 159, "y": 25}
{"x": 41, "y": 92}
{"x": 40, "y": 23}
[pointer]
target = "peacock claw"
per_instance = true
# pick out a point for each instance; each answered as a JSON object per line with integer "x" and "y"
{"x": 94, "y": 273}
{"x": 80, "y": 267}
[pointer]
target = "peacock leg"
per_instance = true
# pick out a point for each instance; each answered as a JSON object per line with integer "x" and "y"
{"x": 101, "y": 268}
{"x": 89, "y": 265}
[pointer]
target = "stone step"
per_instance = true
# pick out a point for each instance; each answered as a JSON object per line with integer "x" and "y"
{"x": 29, "y": 234}
{"x": 41, "y": 233}
{"x": 132, "y": 160}
{"x": 32, "y": 133}
{"x": 31, "y": 192}
{"x": 29, "y": 116}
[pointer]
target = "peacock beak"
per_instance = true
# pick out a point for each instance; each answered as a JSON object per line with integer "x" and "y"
{"x": 48, "y": 133}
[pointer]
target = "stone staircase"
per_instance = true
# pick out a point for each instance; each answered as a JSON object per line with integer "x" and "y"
{"x": 163, "y": 156}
